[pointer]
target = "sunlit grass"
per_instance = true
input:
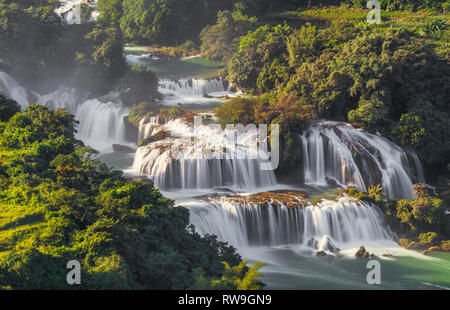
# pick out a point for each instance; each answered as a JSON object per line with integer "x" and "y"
{"x": 341, "y": 13}
{"x": 17, "y": 222}
{"x": 131, "y": 48}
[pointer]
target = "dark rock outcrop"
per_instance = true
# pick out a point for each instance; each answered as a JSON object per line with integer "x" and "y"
{"x": 320, "y": 253}
{"x": 362, "y": 252}
{"x": 131, "y": 132}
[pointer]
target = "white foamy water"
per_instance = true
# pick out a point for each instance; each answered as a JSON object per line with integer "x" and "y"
{"x": 344, "y": 222}
{"x": 236, "y": 167}
{"x": 352, "y": 157}
{"x": 138, "y": 59}
{"x": 102, "y": 124}
{"x": 192, "y": 91}
{"x": 15, "y": 91}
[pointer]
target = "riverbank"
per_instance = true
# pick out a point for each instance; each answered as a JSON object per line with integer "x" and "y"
{"x": 168, "y": 61}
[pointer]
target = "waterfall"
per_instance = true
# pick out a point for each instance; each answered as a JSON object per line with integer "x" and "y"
{"x": 351, "y": 157}
{"x": 191, "y": 87}
{"x": 101, "y": 123}
{"x": 63, "y": 98}
{"x": 344, "y": 222}
{"x": 13, "y": 90}
{"x": 237, "y": 167}
{"x": 194, "y": 91}
{"x": 146, "y": 127}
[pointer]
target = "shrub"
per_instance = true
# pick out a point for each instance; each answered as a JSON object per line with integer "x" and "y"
{"x": 171, "y": 113}
{"x": 428, "y": 239}
{"x": 138, "y": 85}
{"x": 59, "y": 203}
{"x": 142, "y": 110}
{"x": 237, "y": 110}
{"x": 8, "y": 108}
{"x": 161, "y": 135}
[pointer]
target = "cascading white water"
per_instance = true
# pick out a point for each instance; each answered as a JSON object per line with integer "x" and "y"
{"x": 193, "y": 91}
{"x": 191, "y": 87}
{"x": 352, "y": 157}
{"x": 146, "y": 127}
{"x": 101, "y": 123}
{"x": 12, "y": 89}
{"x": 271, "y": 223}
{"x": 237, "y": 167}
{"x": 63, "y": 98}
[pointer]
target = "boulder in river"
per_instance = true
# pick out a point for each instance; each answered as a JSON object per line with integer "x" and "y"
{"x": 320, "y": 253}
{"x": 361, "y": 252}
{"x": 328, "y": 245}
{"x": 325, "y": 244}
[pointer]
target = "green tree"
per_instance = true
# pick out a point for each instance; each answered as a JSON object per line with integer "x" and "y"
{"x": 220, "y": 41}
{"x": 8, "y": 108}
{"x": 59, "y": 203}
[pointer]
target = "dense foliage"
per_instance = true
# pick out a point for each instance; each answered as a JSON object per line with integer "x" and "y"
{"x": 38, "y": 49}
{"x": 172, "y": 22}
{"x": 392, "y": 81}
{"x": 162, "y": 21}
{"x": 418, "y": 223}
{"x": 219, "y": 41}
{"x": 58, "y": 203}
{"x": 138, "y": 85}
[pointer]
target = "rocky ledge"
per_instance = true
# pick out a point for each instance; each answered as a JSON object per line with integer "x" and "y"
{"x": 288, "y": 198}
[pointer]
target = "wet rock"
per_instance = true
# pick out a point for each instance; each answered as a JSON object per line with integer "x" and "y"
{"x": 289, "y": 198}
{"x": 431, "y": 249}
{"x": 361, "y": 252}
{"x": 118, "y": 148}
{"x": 331, "y": 182}
{"x": 131, "y": 132}
{"x": 328, "y": 245}
{"x": 320, "y": 253}
{"x": 226, "y": 97}
{"x": 388, "y": 255}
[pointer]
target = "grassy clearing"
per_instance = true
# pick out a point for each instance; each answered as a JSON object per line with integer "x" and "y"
{"x": 341, "y": 13}
{"x": 17, "y": 226}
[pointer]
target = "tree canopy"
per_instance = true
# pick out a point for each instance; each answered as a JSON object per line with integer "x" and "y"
{"x": 58, "y": 203}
